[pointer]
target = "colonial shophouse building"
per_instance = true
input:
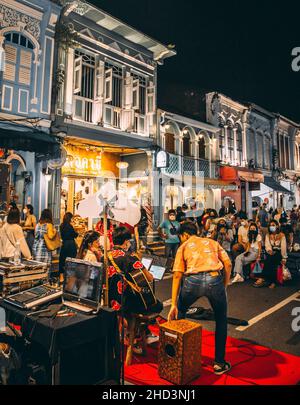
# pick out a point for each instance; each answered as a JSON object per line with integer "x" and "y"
{"x": 233, "y": 120}
{"x": 257, "y": 150}
{"x": 27, "y": 30}
{"x": 192, "y": 172}
{"x": 105, "y": 106}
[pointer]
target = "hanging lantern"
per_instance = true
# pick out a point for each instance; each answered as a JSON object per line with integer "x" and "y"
{"x": 122, "y": 165}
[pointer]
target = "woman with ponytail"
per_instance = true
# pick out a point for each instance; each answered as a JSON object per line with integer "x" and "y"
{"x": 90, "y": 249}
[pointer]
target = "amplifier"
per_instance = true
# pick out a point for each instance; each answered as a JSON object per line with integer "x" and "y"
{"x": 16, "y": 278}
{"x": 179, "y": 357}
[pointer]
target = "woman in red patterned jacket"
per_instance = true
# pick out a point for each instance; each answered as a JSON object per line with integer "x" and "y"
{"x": 120, "y": 264}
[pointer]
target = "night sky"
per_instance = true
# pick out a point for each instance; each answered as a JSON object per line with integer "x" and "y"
{"x": 242, "y": 49}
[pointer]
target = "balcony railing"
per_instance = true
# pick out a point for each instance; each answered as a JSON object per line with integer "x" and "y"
{"x": 188, "y": 166}
{"x": 174, "y": 165}
{"x": 203, "y": 166}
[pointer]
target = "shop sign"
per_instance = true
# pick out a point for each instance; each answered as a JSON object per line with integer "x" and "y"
{"x": 162, "y": 160}
{"x": 254, "y": 186}
{"x": 82, "y": 162}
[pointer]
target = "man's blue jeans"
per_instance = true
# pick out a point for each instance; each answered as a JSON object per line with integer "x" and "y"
{"x": 204, "y": 285}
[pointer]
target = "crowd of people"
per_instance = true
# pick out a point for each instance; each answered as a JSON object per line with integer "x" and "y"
{"x": 211, "y": 250}
{"x": 265, "y": 240}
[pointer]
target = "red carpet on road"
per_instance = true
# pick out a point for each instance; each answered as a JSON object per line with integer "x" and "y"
{"x": 251, "y": 365}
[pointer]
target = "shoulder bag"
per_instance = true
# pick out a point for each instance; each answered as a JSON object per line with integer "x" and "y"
{"x": 52, "y": 244}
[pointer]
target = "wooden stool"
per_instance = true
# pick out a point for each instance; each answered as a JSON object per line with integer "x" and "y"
{"x": 137, "y": 325}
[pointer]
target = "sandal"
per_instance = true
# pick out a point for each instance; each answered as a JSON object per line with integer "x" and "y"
{"x": 260, "y": 283}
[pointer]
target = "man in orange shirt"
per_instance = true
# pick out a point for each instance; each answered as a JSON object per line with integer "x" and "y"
{"x": 198, "y": 272}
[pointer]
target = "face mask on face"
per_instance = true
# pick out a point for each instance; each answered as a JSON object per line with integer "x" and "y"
{"x": 273, "y": 229}
{"x": 25, "y": 211}
{"x": 243, "y": 223}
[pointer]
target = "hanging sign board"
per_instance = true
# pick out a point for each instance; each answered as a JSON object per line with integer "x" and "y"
{"x": 162, "y": 159}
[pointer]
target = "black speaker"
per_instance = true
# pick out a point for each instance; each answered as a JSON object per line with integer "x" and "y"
{"x": 4, "y": 182}
{"x": 89, "y": 364}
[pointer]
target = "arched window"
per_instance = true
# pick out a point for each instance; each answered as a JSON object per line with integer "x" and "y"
{"x": 17, "y": 76}
{"x": 202, "y": 154}
{"x": 186, "y": 143}
{"x": 170, "y": 142}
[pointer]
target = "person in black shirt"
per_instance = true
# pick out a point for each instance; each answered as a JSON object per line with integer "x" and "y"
{"x": 287, "y": 230}
{"x": 69, "y": 248}
{"x": 180, "y": 215}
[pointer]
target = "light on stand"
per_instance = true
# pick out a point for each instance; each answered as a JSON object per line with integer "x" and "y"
{"x": 47, "y": 175}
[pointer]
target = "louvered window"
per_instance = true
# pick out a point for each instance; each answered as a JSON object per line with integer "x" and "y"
{"x": 18, "y": 59}
{"x": 25, "y": 67}
{"x": 10, "y": 63}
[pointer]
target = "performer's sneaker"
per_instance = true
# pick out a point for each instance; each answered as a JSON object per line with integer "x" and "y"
{"x": 220, "y": 369}
{"x": 237, "y": 279}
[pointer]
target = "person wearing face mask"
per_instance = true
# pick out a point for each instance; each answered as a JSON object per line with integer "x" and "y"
{"x": 242, "y": 234}
{"x": 168, "y": 230}
{"x": 29, "y": 225}
{"x": 224, "y": 235}
{"x": 276, "y": 252}
{"x": 252, "y": 253}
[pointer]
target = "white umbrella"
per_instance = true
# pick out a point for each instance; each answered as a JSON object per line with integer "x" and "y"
{"x": 123, "y": 210}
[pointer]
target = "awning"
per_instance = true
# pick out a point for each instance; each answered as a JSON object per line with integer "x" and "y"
{"x": 219, "y": 184}
{"x": 110, "y": 136}
{"x": 251, "y": 177}
{"x": 270, "y": 182}
{"x": 27, "y": 139}
{"x": 208, "y": 183}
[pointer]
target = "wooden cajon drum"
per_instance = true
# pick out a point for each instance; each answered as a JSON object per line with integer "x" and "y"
{"x": 179, "y": 357}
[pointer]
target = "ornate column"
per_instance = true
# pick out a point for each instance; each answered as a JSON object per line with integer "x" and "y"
{"x": 225, "y": 144}
{"x": 68, "y": 102}
{"x": 235, "y": 145}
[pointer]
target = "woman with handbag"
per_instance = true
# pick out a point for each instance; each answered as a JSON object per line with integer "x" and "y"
{"x": 29, "y": 225}
{"x": 69, "y": 247}
{"x": 276, "y": 254}
{"x": 46, "y": 238}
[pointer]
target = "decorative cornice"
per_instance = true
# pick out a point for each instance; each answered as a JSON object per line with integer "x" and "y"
{"x": 13, "y": 18}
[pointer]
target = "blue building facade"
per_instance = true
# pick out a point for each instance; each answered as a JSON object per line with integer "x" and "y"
{"x": 27, "y": 44}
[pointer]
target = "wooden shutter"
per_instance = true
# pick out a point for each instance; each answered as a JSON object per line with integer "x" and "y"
{"x": 108, "y": 90}
{"x": 25, "y": 67}
{"x": 151, "y": 98}
{"x": 99, "y": 79}
{"x": 10, "y": 63}
{"x": 136, "y": 94}
{"x": 128, "y": 92}
{"x": 77, "y": 74}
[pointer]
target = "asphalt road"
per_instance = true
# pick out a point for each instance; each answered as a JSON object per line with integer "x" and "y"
{"x": 274, "y": 330}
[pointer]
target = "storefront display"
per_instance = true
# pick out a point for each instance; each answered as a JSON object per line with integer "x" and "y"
{"x": 82, "y": 176}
